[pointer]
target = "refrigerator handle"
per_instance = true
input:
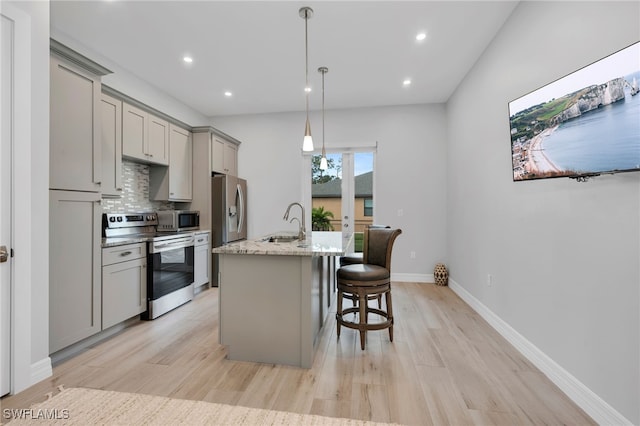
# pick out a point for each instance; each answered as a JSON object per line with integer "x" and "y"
{"x": 241, "y": 200}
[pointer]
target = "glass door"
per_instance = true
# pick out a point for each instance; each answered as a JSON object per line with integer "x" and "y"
{"x": 342, "y": 196}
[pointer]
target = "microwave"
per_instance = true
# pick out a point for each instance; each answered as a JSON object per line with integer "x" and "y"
{"x": 178, "y": 220}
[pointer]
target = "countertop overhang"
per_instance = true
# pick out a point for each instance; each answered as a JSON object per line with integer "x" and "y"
{"x": 320, "y": 243}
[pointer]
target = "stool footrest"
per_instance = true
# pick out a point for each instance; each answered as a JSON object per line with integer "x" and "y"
{"x": 364, "y": 325}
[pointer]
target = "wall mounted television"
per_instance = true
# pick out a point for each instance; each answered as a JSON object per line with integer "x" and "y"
{"x": 584, "y": 124}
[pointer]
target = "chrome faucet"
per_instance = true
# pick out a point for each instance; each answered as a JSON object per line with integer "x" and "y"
{"x": 302, "y": 232}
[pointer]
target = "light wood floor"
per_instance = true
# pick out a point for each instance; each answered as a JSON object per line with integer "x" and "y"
{"x": 445, "y": 366}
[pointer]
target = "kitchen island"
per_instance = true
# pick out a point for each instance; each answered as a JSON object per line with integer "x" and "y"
{"x": 275, "y": 296}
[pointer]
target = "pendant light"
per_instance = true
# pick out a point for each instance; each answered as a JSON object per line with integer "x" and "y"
{"x": 307, "y": 144}
{"x": 323, "y": 160}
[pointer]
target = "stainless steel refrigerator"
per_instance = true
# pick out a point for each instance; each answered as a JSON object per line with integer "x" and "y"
{"x": 228, "y": 214}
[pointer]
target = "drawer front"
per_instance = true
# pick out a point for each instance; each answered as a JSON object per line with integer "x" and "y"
{"x": 202, "y": 239}
{"x": 118, "y": 254}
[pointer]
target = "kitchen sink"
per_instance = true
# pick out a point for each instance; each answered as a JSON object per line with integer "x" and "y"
{"x": 281, "y": 238}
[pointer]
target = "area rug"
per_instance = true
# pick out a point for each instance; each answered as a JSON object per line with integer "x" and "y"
{"x": 80, "y": 406}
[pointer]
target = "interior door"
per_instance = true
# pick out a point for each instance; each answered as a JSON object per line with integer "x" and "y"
{"x": 6, "y": 89}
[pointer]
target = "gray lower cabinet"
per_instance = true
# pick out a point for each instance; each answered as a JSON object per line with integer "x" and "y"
{"x": 201, "y": 260}
{"x": 124, "y": 283}
{"x": 74, "y": 267}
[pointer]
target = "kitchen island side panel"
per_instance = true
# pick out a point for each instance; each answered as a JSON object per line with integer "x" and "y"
{"x": 268, "y": 309}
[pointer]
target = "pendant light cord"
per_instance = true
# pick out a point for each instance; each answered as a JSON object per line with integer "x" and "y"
{"x": 323, "y": 72}
{"x": 306, "y": 62}
{"x": 323, "y": 160}
{"x": 306, "y": 13}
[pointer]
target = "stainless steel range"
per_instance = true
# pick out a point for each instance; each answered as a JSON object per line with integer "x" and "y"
{"x": 169, "y": 259}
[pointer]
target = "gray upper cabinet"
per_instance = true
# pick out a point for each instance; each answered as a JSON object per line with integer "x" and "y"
{"x": 75, "y": 148}
{"x": 145, "y": 137}
{"x": 224, "y": 156}
{"x": 180, "y": 164}
{"x": 159, "y": 142}
{"x": 174, "y": 183}
{"x": 111, "y": 110}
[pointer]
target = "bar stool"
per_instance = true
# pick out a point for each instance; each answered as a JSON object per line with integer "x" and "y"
{"x": 354, "y": 259}
{"x": 370, "y": 278}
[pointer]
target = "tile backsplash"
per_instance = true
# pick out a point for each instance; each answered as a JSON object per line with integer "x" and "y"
{"x": 135, "y": 192}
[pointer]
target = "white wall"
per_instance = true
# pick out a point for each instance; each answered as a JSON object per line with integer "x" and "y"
{"x": 565, "y": 256}
{"x": 410, "y": 171}
{"x": 31, "y": 205}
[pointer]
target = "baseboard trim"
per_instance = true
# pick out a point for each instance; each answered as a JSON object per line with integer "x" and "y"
{"x": 41, "y": 370}
{"x": 412, "y": 278}
{"x": 585, "y": 398}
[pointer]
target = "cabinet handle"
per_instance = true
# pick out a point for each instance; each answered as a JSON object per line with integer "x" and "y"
{"x": 201, "y": 240}
{"x": 125, "y": 253}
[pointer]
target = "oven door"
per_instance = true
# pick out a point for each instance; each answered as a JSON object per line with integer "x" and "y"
{"x": 169, "y": 275}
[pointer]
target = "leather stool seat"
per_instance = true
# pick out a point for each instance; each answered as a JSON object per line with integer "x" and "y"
{"x": 363, "y": 273}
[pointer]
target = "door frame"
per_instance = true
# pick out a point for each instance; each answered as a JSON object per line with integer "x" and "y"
{"x": 7, "y": 25}
{"x": 24, "y": 370}
{"x": 305, "y": 173}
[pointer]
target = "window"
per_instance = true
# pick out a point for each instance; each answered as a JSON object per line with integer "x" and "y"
{"x": 368, "y": 207}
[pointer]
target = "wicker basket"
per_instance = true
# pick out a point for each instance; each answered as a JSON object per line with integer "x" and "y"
{"x": 440, "y": 274}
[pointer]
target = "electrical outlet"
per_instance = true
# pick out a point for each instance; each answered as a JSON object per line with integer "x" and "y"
{"x": 413, "y": 255}
{"x": 489, "y": 280}
{"x": 400, "y": 212}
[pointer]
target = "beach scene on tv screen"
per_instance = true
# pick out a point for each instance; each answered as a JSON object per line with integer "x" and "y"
{"x": 585, "y": 123}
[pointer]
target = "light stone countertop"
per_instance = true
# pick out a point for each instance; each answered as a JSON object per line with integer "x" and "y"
{"x": 121, "y": 241}
{"x": 134, "y": 239}
{"x": 318, "y": 244}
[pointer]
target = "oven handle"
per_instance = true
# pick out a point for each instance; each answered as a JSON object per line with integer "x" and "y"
{"x": 160, "y": 247}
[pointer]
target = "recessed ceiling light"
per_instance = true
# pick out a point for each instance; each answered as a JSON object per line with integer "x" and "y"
{"x": 188, "y": 59}
{"x": 228, "y": 94}
{"x": 406, "y": 82}
{"x": 421, "y": 36}
{"x": 307, "y": 89}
